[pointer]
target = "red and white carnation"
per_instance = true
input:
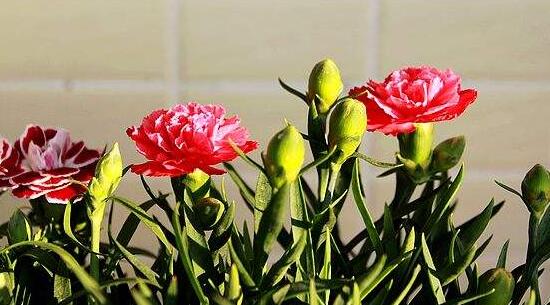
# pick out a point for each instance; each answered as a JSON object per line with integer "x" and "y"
{"x": 10, "y": 164}
{"x": 51, "y": 165}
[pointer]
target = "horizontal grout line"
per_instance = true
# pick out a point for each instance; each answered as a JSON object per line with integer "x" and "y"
{"x": 83, "y": 85}
{"x": 223, "y": 86}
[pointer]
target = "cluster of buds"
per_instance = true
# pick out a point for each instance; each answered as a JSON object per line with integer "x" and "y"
{"x": 420, "y": 160}
{"x": 208, "y": 209}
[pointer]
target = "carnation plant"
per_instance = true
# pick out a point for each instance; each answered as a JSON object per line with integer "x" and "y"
{"x": 414, "y": 253}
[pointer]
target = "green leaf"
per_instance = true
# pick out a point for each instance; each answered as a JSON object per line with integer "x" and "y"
{"x": 271, "y": 225}
{"x": 452, "y": 271}
{"x": 7, "y": 283}
{"x": 298, "y": 288}
{"x": 171, "y": 297}
{"x": 501, "y": 263}
{"x": 469, "y": 298}
{"x": 67, "y": 228}
{"x": 198, "y": 247}
{"x": 389, "y": 239}
{"x": 131, "y": 223}
{"x": 243, "y": 272}
{"x": 293, "y": 91}
{"x": 362, "y": 207}
{"x": 532, "y": 297}
{"x": 434, "y": 283}
{"x": 408, "y": 286}
{"x": 145, "y": 219}
{"x": 183, "y": 251}
{"x": 471, "y": 231}
{"x": 299, "y": 209}
{"x": 246, "y": 158}
{"x": 381, "y": 296}
{"x": 143, "y": 295}
{"x": 72, "y": 264}
{"x": 388, "y": 269}
{"x": 103, "y": 286}
{"x": 443, "y": 202}
{"x": 222, "y": 232}
{"x": 355, "y": 295}
{"x": 263, "y": 195}
{"x": 136, "y": 263}
{"x": 368, "y": 278}
{"x": 246, "y": 191}
{"x": 376, "y": 162}
{"x": 317, "y": 162}
{"x": 509, "y": 189}
{"x": 543, "y": 234}
{"x": 298, "y": 212}
{"x": 61, "y": 287}
{"x": 279, "y": 269}
{"x": 313, "y": 296}
{"x": 326, "y": 269}
{"x": 19, "y": 228}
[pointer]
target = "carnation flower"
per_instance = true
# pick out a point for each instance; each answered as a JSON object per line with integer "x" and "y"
{"x": 413, "y": 95}
{"x": 52, "y": 165}
{"x": 10, "y": 164}
{"x": 187, "y": 137}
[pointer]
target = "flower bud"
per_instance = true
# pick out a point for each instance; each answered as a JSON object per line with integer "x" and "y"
{"x": 347, "y": 125}
{"x": 107, "y": 175}
{"x": 447, "y": 154}
{"x": 198, "y": 182}
{"x": 285, "y": 156}
{"x": 501, "y": 281}
{"x": 417, "y": 145}
{"x": 535, "y": 188}
{"x": 209, "y": 211}
{"x": 325, "y": 82}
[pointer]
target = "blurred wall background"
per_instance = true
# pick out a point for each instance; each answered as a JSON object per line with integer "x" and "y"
{"x": 97, "y": 67}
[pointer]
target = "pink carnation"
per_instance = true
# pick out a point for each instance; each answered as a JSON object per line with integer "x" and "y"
{"x": 413, "y": 95}
{"x": 187, "y": 137}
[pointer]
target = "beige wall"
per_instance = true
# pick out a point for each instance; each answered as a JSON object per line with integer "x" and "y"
{"x": 95, "y": 67}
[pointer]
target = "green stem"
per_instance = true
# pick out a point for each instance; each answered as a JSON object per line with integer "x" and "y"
{"x": 323, "y": 183}
{"x": 530, "y": 275}
{"x": 331, "y": 186}
{"x": 95, "y": 241}
{"x": 96, "y": 219}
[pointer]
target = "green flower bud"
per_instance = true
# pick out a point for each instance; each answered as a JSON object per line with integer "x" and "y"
{"x": 107, "y": 176}
{"x": 415, "y": 151}
{"x": 285, "y": 156}
{"x": 209, "y": 211}
{"x": 347, "y": 124}
{"x": 501, "y": 281}
{"x": 234, "y": 291}
{"x": 447, "y": 154}
{"x": 198, "y": 182}
{"x": 535, "y": 188}
{"x": 325, "y": 82}
{"x": 417, "y": 145}
{"x": 19, "y": 228}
